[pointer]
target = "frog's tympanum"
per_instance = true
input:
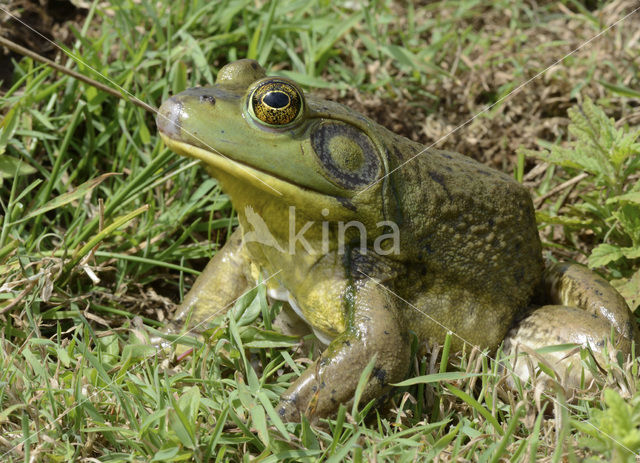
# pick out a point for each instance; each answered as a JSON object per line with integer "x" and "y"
{"x": 368, "y": 250}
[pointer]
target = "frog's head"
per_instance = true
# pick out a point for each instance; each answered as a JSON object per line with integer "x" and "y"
{"x": 261, "y": 136}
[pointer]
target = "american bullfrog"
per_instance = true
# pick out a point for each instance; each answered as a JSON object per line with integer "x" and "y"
{"x": 366, "y": 249}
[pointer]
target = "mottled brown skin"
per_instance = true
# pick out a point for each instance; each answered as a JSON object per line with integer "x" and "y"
{"x": 468, "y": 255}
{"x": 470, "y": 246}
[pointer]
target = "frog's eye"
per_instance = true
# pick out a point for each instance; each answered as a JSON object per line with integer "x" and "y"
{"x": 276, "y": 102}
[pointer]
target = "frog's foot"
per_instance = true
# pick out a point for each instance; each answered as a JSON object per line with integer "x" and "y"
{"x": 589, "y": 312}
{"x": 332, "y": 379}
{"x": 561, "y": 325}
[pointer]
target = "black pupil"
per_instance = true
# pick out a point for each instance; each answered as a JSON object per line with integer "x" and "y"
{"x": 276, "y": 99}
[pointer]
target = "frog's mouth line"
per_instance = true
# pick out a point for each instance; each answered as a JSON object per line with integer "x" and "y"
{"x": 266, "y": 181}
{"x": 218, "y": 160}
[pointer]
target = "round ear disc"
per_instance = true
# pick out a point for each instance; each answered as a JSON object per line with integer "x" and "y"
{"x": 347, "y": 154}
{"x": 276, "y": 102}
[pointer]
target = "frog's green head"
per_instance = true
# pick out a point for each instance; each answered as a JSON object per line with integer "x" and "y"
{"x": 261, "y": 136}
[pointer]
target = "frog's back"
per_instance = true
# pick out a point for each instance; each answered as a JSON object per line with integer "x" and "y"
{"x": 469, "y": 241}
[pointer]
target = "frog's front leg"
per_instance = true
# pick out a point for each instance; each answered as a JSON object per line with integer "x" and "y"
{"x": 222, "y": 281}
{"x": 374, "y": 328}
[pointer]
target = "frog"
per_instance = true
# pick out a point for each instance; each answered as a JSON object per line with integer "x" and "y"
{"x": 372, "y": 240}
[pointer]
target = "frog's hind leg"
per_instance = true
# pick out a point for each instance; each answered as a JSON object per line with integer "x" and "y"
{"x": 576, "y": 286}
{"x": 222, "y": 281}
{"x": 585, "y": 310}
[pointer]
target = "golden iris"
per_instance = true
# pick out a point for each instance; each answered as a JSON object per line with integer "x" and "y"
{"x": 276, "y": 102}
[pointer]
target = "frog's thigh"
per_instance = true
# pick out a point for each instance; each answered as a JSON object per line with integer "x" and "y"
{"x": 574, "y": 285}
{"x": 222, "y": 281}
{"x": 374, "y": 330}
{"x": 553, "y": 325}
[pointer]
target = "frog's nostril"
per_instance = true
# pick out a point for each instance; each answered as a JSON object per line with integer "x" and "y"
{"x": 208, "y": 99}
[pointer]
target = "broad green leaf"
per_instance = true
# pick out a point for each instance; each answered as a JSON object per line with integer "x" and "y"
{"x": 189, "y": 403}
{"x": 180, "y": 79}
{"x": 252, "y": 51}
{"x": 628, "y": 216}
{"x": 250, "y": 312}
{"x": 255, "y": 337}
{"x": 10, "y": 167}
{"x": 362, "y": 382}
{"x": 145, "y": 136}
{"x": 441, "y": 443}
{"x": 133, "y": 353}
{"x": 171, "y": 453}
{"x": 35, "y": 363}
{"x": 6, "y": 412}
{"x": 63, "y": 356}
{"x": 631, "y": 253}
{"x": 620, "y": 89}
{"x": 258, "y": 416}
{"x": 273, "y": 416}
{"x": 633, "y": 197}
{"x": 41, "y": 342}
{"x": 603, "y": 254}
{"x": 151, "y": 419}
{"x": 8, "y": 126}
{"x": 194, "y": 50}
{"x": 629, "y": 288}
{"x": 436, "y": 378}
{"x": 179, "y": 423}
{"x": 557, "y": 348}
{"x": 546, "y": 218}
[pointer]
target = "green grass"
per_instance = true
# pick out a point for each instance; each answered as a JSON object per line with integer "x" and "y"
{"x": 89, "y": 261}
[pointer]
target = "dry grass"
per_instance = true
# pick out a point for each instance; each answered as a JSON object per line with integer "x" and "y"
{"x": 501, "y": 60}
